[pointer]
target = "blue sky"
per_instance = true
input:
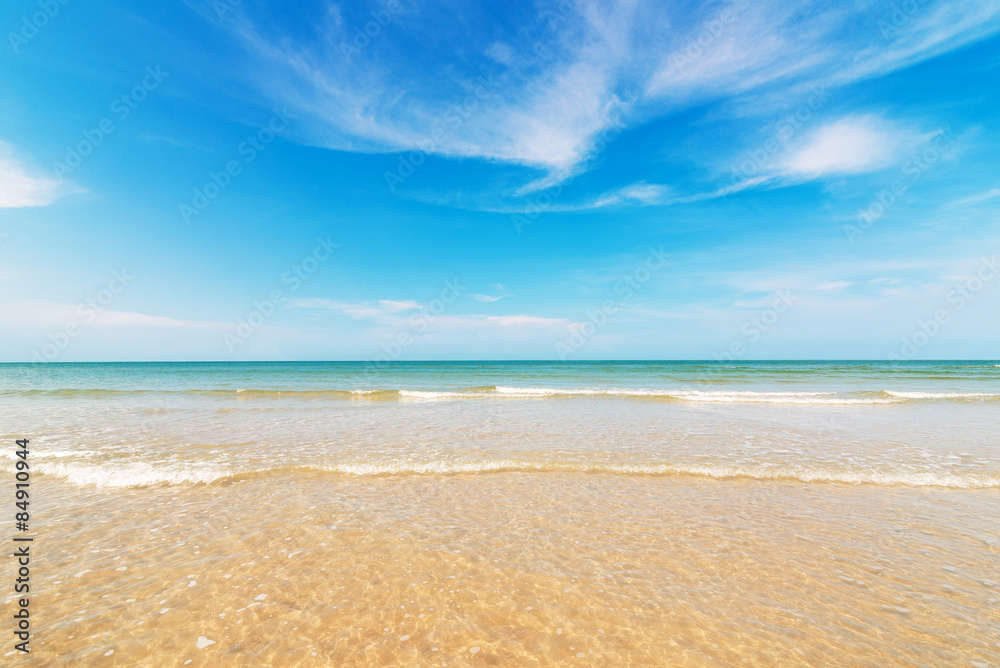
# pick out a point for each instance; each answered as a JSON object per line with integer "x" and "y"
{"x": 233, "y": 180}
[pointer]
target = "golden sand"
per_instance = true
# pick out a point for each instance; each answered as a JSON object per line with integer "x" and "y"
{"x": 515, "y": 569}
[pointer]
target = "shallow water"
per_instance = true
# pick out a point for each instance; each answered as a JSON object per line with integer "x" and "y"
{"x": 538, "y": 514}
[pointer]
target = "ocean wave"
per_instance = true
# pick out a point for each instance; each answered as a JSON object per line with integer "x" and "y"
{"x": 73, "y": 392}
{"x": 724, "y": 396}
{"x": 52, "y": 454}
{"x": 508, "y": 392}
{"x": 137, "y": 474}
{"x": 801, "y": 474}
{"x": 423, "y": 394}
{"x": 942, "y": 395}
{"x": 242, "y": 393}
{"x": 141, "y": 474}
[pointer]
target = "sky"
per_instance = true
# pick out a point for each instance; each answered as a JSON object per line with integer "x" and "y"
{"x": 401, "y": 180}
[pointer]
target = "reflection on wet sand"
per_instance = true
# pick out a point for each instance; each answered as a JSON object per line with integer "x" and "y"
{"x": 516, "y": 569}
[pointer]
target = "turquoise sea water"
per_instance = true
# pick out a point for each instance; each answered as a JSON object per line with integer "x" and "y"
{"x": 885, "y": 423}
{"x": 842, "y": 379}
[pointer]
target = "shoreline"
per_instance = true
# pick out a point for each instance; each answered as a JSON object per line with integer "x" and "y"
{"x": 578, "y": 552}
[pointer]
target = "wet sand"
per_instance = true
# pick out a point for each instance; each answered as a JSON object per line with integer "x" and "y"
{"x": 515, "y": 569}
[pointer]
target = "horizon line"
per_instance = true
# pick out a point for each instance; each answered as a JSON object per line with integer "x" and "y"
{"x": 480, "y": 361}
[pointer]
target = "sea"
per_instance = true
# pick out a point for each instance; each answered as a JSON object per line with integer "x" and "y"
{"x": 510, "y": 513}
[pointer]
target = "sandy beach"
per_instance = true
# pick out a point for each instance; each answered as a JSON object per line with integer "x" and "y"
{"x": 603, "y": 521}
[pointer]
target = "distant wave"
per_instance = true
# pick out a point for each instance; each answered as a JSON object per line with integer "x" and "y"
{"x": 727, "y": 396}
{"x": 142, "y": 474}
{"x": 423, "y": 394}
{"x": 942, "y": 395}
{"x": 506, "y": 392}
{"x": 241, "y": 392}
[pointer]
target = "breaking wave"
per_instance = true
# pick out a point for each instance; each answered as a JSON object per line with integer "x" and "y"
{"x": 141, "y": 474}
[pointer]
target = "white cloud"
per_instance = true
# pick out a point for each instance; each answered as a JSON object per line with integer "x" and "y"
{"x": 389, "y": 314}
{"x": 384, "y": 310}
{"x": 21, "y": 186}
{"x": 850, "y": 145}
{"x": 734, "y": 47}
{"x": 126, "y": 318}
{"x": 834, "y": 285}
{"x": 516, "y": 321}
{"x": 378, "y": 310}
{"x": 601, "y": 65}
{"x": 57, "y": 315}
{"x": 974, "y": 200}
{"x": 637, "y": 193}
{"x": 392, "y": 306}
{"x": 489, "y": 299}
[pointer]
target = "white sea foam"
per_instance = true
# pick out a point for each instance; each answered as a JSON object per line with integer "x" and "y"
{"x": 727, "y": 396}
{"x": 420, "y": 394}
{"x": 141, "y": 474}
{"x": 137, "y": 474}
{"x": 678, "y": 393}
{"x": 774, "y": 397}
{"x": 537, "y": 391}
{"x": 867, "y": 476}
{"x": 940, "y": 395}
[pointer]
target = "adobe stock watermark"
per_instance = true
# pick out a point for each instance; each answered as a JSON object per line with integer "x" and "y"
{"x": 247, "y": 150}
{"x": 454, "y": 116}
{"x": 757, "y": 325}
{"x": 957, "y": 299}
{"x": 913, "y": 170}
{"x": 419, "y": 323}
{"x": 121, "y": 108}
{"x": 711, "y": 30}
{"x": 222, "y": 7}
{"x": 372, "y": 29}
{"x": 87, "y": 312}
{"x": 539, "y": 202}
{"x": 581, "y": 333}
{"x": 31, "y": 24}
{"x": 891, "y": 23}
{"x": 555, "y": 17}
{"x": 755, "y": 162}
{"x": 264, "y": 308}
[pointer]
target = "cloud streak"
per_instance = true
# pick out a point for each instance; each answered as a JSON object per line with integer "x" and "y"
{"x": 394, "y": 315}
{"x": 569, "y": 75}
{"x": 22, "y": 186}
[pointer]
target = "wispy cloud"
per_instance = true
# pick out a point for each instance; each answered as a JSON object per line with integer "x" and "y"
{"x": 637, "y": 193}
{"x": 21, "y": 185}
{"x": 974, "y": 200}
{"x": 399, "y": 315}
{"x": 558, "y": 85}
{"x": 489, "y": 299}
{"x": 55, "y": 314}
{"x": 633, "y": 195}
{"x": 834, "y": 285}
